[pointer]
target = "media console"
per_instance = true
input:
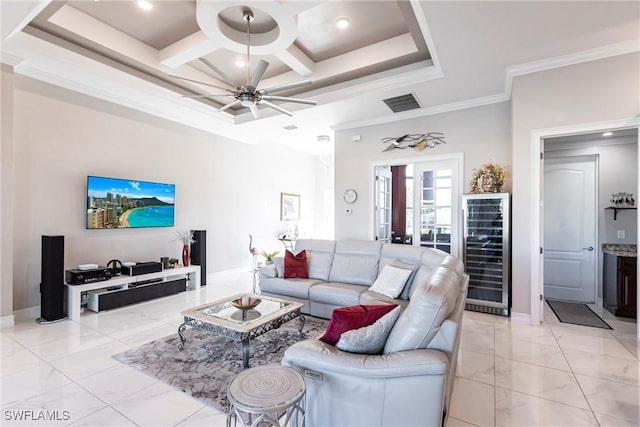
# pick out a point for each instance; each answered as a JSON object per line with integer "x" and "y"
{"x": 74, "y": 292}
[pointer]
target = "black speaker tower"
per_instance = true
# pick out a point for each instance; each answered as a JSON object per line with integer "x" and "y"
{"x": 199, "y": 254}
{"x": 52, "y": 280}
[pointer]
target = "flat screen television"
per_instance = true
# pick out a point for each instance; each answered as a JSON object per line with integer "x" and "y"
{"x": 123, "y": 203}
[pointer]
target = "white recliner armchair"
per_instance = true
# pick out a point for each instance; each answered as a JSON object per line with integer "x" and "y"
{"x": 410, "y": 384}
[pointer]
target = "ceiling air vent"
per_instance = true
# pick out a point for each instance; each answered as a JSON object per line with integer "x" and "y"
{"x": 402, "y": 103}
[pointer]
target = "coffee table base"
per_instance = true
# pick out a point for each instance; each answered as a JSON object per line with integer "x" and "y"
{"x": 244, "y": 337}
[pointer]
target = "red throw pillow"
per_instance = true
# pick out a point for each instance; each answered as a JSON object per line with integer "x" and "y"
{"x": 295, "y": 266}
{"x": 356, "y": 316}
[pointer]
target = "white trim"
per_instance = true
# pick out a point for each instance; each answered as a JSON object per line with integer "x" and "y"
{"x": 9, "y": 59}
{"x": 536, "y": 265}
{"x": 7, "y": 321}
{"x": 520, "y": 317}
{"x": 27, "y": 314}
{"x": 623, "y": 48}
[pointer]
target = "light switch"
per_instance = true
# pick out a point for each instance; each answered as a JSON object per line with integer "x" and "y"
{"x": 620, "y": 234}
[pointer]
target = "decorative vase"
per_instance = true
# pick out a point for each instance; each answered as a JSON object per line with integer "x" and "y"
{"x": 185, "y": 255}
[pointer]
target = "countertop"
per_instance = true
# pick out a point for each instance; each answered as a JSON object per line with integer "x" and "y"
{"x": 618, "y": 249}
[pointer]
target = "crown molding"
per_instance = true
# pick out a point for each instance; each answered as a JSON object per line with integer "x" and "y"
{"x": 8, "y": 59}
{"x": 422, "y": 112}
{"x": 603, "y": 52}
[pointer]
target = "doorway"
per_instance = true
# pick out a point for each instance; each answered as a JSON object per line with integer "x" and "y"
{"x": 570, "y": 228}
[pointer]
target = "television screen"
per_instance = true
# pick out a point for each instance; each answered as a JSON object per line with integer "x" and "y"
{"x": 121, "y": 203}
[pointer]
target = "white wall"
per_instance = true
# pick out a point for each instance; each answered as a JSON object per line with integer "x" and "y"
{"x": 591, "y": 92}
{"x": 228, "y": 188}
{"x": 6, "y": 194}
{"x": 611, "y": 160}
{"x": 481, "y": 133}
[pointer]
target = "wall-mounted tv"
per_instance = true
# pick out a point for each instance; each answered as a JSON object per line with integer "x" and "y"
{"x": 123, "y": 203}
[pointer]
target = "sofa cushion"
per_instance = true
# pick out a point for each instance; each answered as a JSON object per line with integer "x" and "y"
{"x": 356, "y": 316}
{"x": 319, "y": 256}
{"x": 355, "y": 261}
{"x": 338, "y": 294}
{"x": 391, "y": 281}
{"x": 431, "y": 303}
{"x": 295, "y": 266}
{"x": 369, "y": 339}
{"x": 298, "y": 288}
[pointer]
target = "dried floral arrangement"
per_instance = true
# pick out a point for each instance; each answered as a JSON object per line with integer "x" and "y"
{"x": 488, "y": 178}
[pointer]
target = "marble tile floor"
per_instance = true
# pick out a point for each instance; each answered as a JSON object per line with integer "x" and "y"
{"x": 509, "y": 373}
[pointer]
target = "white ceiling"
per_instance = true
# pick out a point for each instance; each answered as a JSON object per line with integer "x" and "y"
{"x": 450, "y": 54}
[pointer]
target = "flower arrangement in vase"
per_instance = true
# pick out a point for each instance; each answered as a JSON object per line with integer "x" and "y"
{"x": 489, "y": 178}
{"x": 186, "y": 237}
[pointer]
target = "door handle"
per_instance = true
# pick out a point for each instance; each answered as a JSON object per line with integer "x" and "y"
{"x": 590, "y": 248}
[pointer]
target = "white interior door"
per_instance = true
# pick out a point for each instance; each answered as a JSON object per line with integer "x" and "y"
{"x": 570, "y": 229}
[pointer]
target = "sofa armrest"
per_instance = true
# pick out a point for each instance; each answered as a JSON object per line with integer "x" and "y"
{"x": 322, "y": 357}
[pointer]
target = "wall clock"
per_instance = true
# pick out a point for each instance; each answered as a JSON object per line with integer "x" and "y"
{"x": 350, "y": 195}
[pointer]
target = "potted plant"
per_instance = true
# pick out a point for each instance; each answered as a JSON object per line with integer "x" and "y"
{"x": 269, "y": 256}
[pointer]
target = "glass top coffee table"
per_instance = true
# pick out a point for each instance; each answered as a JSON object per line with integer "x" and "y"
{"x": 241, "y": 317}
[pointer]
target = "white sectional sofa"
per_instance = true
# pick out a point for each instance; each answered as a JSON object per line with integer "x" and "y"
{"x": 411, "y": 382}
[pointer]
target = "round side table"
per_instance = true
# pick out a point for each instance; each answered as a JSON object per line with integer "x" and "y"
{"x": 265, "y": 394}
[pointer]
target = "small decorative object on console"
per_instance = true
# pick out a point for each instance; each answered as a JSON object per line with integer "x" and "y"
{"x": 622, "y": 200}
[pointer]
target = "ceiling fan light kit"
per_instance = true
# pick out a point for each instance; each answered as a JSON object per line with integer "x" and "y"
{"x": 248, "y": 95}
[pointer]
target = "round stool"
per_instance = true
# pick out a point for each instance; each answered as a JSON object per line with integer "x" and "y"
{"x": 268, "y": 393}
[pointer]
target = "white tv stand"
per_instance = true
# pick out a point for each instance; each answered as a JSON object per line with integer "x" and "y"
{"x": 74, "y": 292}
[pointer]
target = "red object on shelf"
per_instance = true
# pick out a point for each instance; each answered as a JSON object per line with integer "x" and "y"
{"x": 185, "y": 255}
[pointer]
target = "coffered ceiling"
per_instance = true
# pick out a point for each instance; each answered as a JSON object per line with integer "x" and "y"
{"x": 448, "y": 54}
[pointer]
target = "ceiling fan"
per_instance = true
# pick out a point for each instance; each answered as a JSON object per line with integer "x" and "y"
{"x": 247, "y": 94}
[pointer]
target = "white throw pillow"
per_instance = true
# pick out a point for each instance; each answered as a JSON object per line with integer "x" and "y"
{"x": 369, "y": 339}
{"x": 391, "y": 281}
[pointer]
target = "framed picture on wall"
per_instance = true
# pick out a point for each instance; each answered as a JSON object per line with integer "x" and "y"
{"x": 289, "y": 206}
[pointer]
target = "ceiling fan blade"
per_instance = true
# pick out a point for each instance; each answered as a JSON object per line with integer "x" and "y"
{"x": 219, "y": 72}
{"x": 201, "y": 83}
{"x": 205, "y": 96}
{"x": 258, "y": 73}
{"x": 254, "y": 111}
{"x": 285, "y": 86}
{"x": 287, "y": 99}
{"x": 229, "y": 105}
{"x": 276, "y": 107}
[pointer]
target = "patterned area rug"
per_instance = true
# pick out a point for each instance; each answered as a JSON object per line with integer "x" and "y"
{"x": 209, "y": 362}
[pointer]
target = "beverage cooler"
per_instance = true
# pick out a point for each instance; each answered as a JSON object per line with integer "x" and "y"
{"x": 486, "y": 252}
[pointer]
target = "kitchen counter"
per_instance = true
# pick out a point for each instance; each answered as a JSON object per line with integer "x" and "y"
{"x": 616, "y": 249}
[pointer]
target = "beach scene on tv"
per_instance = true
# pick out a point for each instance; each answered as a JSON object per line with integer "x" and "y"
{"x": 121, "y": 203}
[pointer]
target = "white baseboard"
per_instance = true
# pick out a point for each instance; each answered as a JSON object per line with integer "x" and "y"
{"x": 7, "y": 321}
{"x": 27, "y": 314}
{"x": 521, "y": 317}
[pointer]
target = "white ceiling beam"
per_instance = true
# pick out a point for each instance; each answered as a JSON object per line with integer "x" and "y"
{"x": 15, "y": 15}
{"x": 92, "y": 29}
{"x": 297, "y": 60}
{"x": 188, "y": 49}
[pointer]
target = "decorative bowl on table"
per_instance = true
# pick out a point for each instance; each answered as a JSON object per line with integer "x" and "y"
{"x": 248, "y": 305}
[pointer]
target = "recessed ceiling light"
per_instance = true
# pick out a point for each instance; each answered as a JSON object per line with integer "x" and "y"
{"x": 342, "y": 23}
{"x": 323, "y": 138}
{"x": 144, "y": 4}
{"x": 240, "y": 62}
{"x": 607, "y": 134}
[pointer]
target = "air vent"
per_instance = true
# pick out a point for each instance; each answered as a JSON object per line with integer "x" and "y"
{"x": 402, "y": 103}
{"x": 290, "y": 127}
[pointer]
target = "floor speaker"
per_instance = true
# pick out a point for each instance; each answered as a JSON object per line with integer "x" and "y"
{"x": 199, "y": 254}
{"x": 52, "y": 279}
